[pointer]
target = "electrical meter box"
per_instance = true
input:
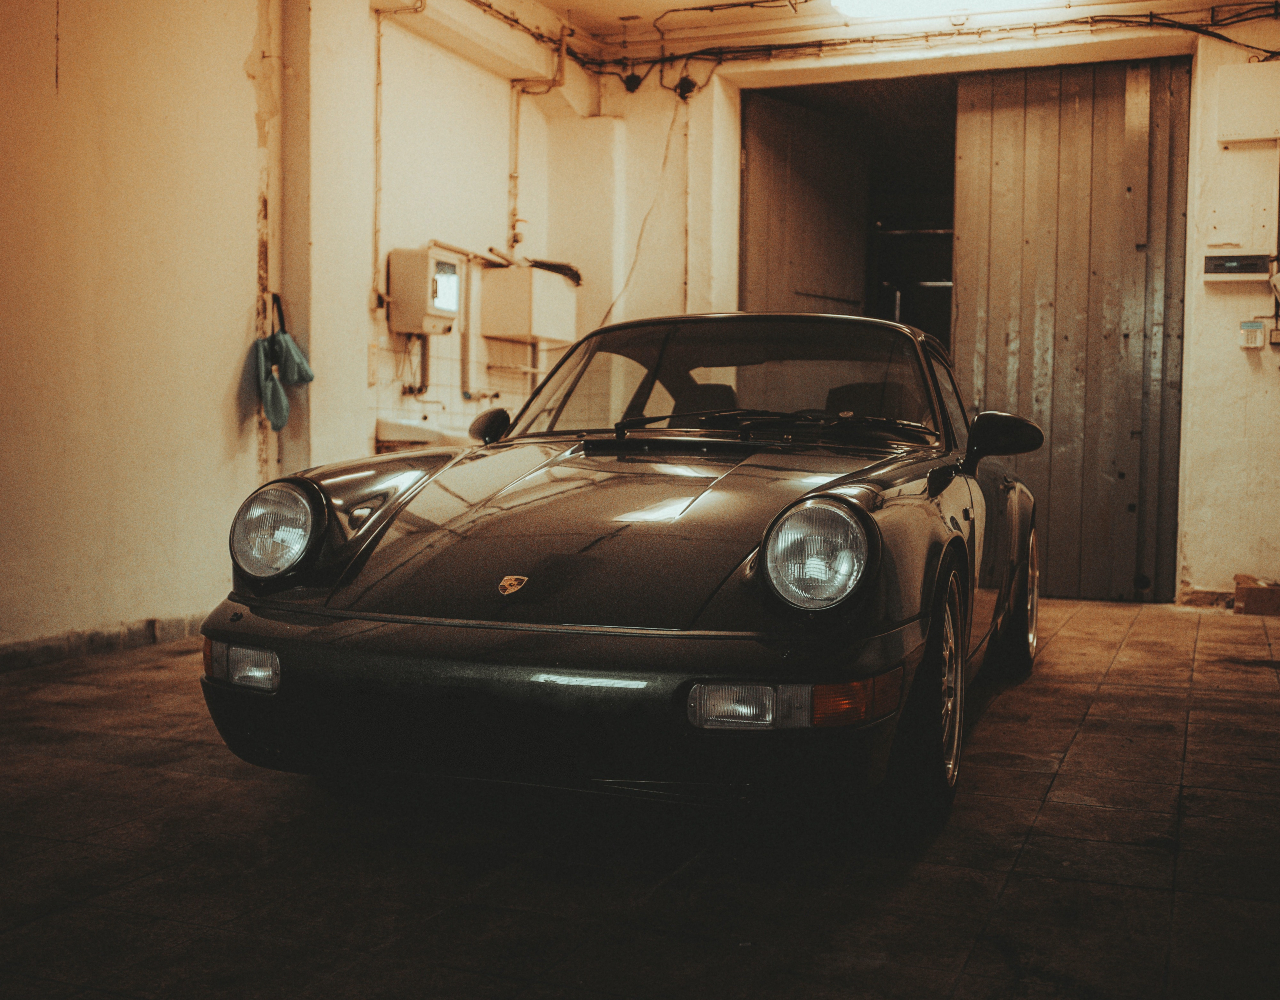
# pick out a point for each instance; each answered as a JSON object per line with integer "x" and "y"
{"x": 423, "y": 291}
{"x": 528, "y": 305}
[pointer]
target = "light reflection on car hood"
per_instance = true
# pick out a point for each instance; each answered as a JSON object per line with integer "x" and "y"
{"x": 605, "y": 536}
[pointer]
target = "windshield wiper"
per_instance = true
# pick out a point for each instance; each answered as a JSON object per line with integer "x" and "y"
{"x": 747, "y": 419}
{"x": 630, "y": 423}
{"x": 825, "y": 419}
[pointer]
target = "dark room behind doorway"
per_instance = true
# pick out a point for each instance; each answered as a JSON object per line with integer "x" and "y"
{"x": 848, "y": 199}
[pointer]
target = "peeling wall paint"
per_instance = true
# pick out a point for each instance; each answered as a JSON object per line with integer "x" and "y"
{"x": 263, "y": 67}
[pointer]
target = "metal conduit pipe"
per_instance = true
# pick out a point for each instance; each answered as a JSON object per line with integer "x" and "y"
{"x": 464, "y": 309}
{"x": 518, "y": 89}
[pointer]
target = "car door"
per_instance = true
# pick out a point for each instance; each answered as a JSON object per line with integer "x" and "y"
{"x": 989, "y": 527}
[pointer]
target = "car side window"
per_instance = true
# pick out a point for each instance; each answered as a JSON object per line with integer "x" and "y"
{"x": 951, "y": 400}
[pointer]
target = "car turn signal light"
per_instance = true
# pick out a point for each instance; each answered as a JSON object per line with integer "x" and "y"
{"x": 794, "y": 706}
{"x": 857, "y": 701}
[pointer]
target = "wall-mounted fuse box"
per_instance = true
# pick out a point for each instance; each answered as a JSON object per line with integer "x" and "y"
{"x": 528, "y": 304}
{"x": 423, "y": 291}
{"x": 1253, "y": 334}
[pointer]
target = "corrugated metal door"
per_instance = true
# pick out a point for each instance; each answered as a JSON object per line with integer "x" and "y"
{"x": 1070, "y": 236}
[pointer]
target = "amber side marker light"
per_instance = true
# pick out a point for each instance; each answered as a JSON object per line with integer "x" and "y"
{"x": 215, "y": 659}
{"x": 857, "y": 701}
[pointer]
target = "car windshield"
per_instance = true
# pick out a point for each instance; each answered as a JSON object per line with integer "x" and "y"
{"x": 748, "y": 372}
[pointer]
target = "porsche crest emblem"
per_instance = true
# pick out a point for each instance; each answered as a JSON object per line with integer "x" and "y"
{"x": 510, "y": 584}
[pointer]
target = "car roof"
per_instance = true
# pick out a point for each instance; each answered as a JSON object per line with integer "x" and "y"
{"x": 919, "y": 336}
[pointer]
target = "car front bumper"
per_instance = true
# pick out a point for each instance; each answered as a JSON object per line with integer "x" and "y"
{"x": 582, "y": 708}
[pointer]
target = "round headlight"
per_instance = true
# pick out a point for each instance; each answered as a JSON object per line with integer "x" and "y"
{"x": 816, "y": 554}
{"x": 271, "y": 531}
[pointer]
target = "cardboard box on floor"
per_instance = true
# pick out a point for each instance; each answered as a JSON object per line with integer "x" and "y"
{"x": 1256, "y": 597}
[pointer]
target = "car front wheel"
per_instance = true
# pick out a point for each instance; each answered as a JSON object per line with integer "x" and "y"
{"x": 931, "y": 732}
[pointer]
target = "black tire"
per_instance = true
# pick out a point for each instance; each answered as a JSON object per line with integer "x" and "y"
{"x": 1020, "y": 641}
{"x": 930, "y": 737}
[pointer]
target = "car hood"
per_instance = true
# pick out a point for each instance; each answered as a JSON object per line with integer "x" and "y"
{"x": 638, "y": 533}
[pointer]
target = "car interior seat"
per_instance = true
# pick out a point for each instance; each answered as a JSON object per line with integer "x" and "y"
{"x": 711, "y": 396}
{"x": 877, "y": 399}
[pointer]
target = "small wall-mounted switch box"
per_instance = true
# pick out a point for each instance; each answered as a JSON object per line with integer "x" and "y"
{"x": 1253, "y": 334}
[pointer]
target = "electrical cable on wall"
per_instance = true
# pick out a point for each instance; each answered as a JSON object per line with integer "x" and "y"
{"x": 625, "y": 67}
{"x": 685, "y": 86}
{"x": 716, "y": 8}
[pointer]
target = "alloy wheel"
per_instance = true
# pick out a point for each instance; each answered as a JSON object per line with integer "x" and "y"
{"x": 1033, "y": 594}
{"x": 952, "y": 684}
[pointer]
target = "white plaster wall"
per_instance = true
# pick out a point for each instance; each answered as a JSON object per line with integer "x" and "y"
{"x": 343, "y": 70}
{"x": 685, "y": 257}
{"x": 656, "y": 124}
{"x": 128, "y": 283}
{"x": 445, "y": 131}
{"x": 715, "y": 173}
{"x": 587, "y": 186}
{"x": 1230, "y": 467}
{"x": 587, "y": 199}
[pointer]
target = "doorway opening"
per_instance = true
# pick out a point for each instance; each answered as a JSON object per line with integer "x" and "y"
{"x": 853, "y": 186}
{"x": 1062, "y": 192}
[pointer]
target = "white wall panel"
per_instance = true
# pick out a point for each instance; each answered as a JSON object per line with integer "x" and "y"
{"x": 128, "y": 205}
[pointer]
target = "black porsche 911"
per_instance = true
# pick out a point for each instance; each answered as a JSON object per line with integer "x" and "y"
{"x": 710, "y": 552}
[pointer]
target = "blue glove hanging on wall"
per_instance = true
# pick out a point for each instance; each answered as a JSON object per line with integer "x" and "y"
{"x": 279, "y": 350}
{"x": 289, "y": 359}
{"x": 271, "y": 392}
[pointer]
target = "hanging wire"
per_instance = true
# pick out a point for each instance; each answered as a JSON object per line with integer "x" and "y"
{"x": 635, "y": 257}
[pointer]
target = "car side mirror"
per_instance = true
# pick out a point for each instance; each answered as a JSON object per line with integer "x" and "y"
{"x": 994, "y": 433}
{"x": 490, "y": 425}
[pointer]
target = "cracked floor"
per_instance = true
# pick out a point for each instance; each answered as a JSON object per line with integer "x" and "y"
{"x": 1115, "y": 835}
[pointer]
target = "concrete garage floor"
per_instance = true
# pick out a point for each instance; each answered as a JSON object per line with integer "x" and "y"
{"x": 1116, "y": 835}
